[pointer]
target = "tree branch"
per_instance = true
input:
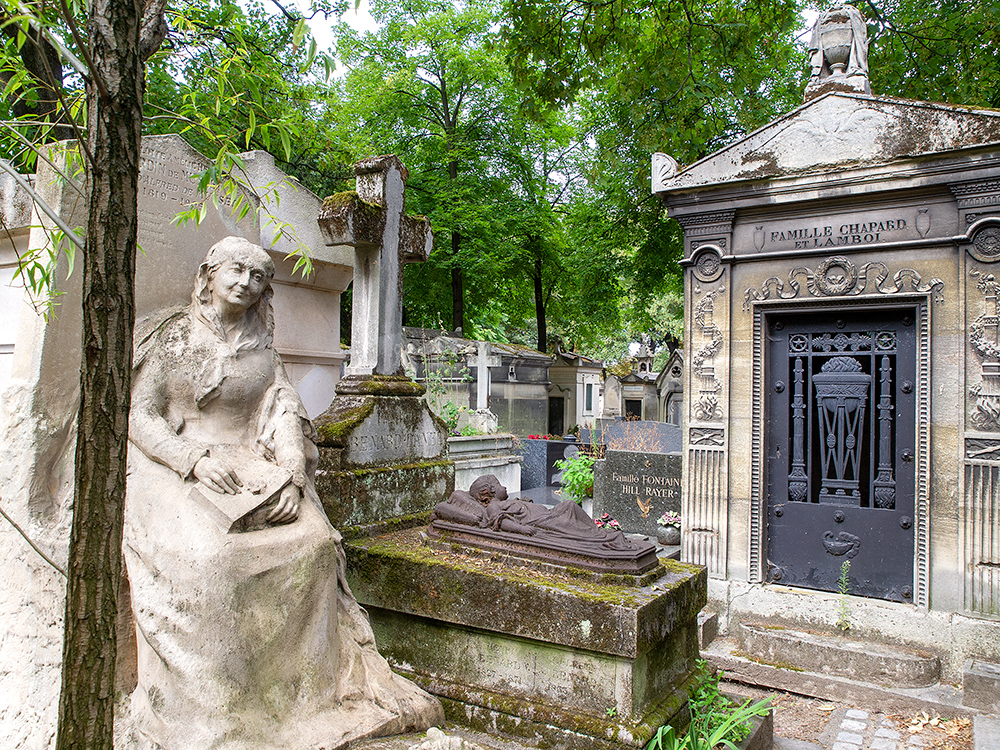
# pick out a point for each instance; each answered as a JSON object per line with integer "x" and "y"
{"x": 95, "y": 74}
{"x": 154, "y": 27}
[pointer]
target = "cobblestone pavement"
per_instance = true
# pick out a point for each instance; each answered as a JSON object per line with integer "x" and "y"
{"x": 802, "y": 723}
{"x": 856, "y": 729}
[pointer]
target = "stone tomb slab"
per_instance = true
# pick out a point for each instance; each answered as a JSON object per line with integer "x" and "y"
{"x": 511, "y": 648}
{"x": 637, "y": 488}
{"x": 981, "y": 686}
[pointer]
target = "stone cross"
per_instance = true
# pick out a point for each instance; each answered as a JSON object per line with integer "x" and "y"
{"x": 482, "y": 376}
{"x": 372, "y": 221}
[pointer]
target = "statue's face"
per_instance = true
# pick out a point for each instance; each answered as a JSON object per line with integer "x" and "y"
{"x": 237, "y": 283}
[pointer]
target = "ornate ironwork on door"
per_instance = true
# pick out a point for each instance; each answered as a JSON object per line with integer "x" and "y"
{"x": 840, "y": 437}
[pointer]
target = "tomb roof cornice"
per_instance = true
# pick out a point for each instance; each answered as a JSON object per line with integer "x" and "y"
{"x": 836, "y": 133}
{"x": 980, "y": 164}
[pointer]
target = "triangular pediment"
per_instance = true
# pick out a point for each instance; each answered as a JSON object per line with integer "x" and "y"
{"x": 834, "y": 132}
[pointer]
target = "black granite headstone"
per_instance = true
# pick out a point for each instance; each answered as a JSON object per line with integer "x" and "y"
{"x": 533, "y": 454}
{"x": 637, "y": 488}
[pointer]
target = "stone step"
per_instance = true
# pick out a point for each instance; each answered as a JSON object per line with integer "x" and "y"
{"x": 940, "y": 699}
{"x": 455, "y": 737}
{"x": 981, "y": 686}
{"x": 839, "y": 656}
{"x": 986, "y": 733}
{"x": 708, "y": 627}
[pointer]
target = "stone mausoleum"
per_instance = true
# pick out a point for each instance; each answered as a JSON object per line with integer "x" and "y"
{"x": 843, "y": 378}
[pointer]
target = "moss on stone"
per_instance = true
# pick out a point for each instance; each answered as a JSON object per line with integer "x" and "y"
{"x": 549, "y": 725}
{"x": 401, "y": 546}
{"x": 364, "y": 471}
{"x": 388, "y": 526}
{"x": 359, "y": 495}
{"x": 334, "y": 430}
{"x": 380, "y": 385}
{"x": 340, "y": 210}
{"x": 339, "y": 200}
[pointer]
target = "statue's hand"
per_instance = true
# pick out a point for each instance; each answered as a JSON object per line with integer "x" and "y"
{"x": 217, "y": 475}
{"x": 287, "y": 509}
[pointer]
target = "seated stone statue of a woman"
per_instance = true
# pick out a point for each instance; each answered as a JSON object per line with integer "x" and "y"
{"x": 245, "y": 640}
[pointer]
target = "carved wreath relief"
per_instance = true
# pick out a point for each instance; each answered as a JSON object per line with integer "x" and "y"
{"x": 707, "y": 265}
{"x": 839, "y": 277}
{"x": 711, "y": 436}
{"x": 987, "y": 244}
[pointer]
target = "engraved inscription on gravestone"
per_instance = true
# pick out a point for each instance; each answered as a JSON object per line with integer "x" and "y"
{"x": 388, "y": 444}
{"x": 867, "y": 229}
{"x": 167, "y": 166}
{"x": 379, "y": 439}
{"x": 637, "y": 488}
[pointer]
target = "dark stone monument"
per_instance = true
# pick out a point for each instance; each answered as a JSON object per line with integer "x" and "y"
{"x": 637, "y": 488}
{"x": 533, "y": 453}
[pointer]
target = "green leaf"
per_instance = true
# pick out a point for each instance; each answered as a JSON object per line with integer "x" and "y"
{"x": 301, "y": 29}
{"x": 286, "y": 143}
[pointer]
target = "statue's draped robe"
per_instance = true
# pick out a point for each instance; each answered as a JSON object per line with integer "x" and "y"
{"x": 249, "y": 640}
{"x": 857, "y": 64}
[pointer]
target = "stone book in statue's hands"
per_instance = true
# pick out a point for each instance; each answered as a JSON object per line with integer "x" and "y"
{"x": 248, "y": 509}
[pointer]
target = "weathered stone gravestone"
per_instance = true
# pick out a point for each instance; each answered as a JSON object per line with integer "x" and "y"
{"x": 637, "y": 488}
{"x": 383, "y": 452}
{"x": 473, "y": 636}
{"x": 40, "y": 395}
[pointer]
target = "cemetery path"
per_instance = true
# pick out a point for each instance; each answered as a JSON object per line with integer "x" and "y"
{"x": 802, "y": 723}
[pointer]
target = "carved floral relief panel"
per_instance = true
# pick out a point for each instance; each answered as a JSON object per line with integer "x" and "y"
{"x": 984, "y": 342}
{"x": 707, "y": 389}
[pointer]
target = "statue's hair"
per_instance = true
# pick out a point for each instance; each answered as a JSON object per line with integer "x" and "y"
{"x": 259, "y": 317}
{"x": 491, "y": 484}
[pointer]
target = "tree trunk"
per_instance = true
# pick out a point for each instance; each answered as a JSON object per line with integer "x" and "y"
{"x": 457, "y": 286}
{"x": 543, "y": 335}
{"x": 114, "y": 94}
{"x": 457, "y": 292}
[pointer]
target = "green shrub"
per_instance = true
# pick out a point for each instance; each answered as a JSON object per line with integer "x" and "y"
{"x": 715, "y": 720}
{"x": 577, "y": 476}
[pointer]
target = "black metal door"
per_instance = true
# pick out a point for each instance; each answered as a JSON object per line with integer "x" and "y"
{"x": 840, "y": 445}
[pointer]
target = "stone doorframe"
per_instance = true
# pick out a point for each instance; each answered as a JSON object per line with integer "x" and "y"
{"x": 758, "y": 502}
